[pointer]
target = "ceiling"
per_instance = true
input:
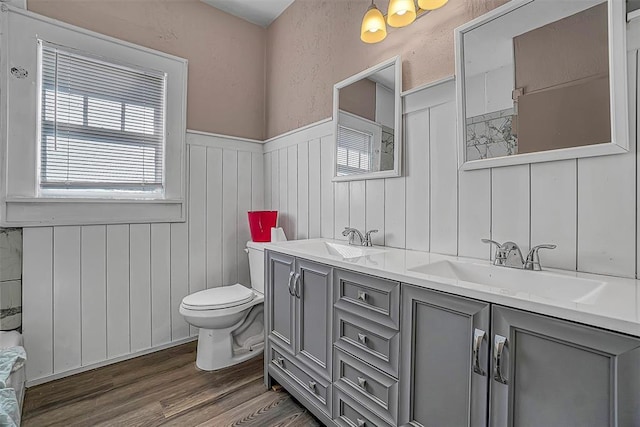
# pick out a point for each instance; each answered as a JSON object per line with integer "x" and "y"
{"x": 259, "y": 12}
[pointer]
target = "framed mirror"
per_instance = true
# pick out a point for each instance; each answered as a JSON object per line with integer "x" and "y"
{"x": 542, "y": 80}
{"x": 367, "y": 113}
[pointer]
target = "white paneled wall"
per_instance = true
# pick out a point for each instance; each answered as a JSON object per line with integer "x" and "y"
{"x": 587, "y": 206}
{"x": 94, "y": 294}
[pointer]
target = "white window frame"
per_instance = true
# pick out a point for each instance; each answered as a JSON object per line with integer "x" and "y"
{"x": 21, "y": 202}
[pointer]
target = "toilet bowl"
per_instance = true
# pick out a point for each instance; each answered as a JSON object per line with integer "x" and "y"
{"x": 223, "y": 313}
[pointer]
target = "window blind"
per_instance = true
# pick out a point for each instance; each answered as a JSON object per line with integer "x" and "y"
{"x": 102, "y": 124}
{"x": 354, "y": 150}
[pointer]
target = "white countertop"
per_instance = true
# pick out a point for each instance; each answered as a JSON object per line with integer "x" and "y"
{"x": 616, "y": 307}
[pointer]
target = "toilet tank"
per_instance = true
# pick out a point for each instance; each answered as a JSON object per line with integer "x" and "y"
{"x": 256, "y": 265}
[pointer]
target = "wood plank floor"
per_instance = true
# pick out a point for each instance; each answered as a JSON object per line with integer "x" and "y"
{"x": 164, "y": 388}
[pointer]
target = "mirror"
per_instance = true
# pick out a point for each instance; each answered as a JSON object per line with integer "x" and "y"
{"x": 542, "y": 80}
{"x": 367, "y": 116}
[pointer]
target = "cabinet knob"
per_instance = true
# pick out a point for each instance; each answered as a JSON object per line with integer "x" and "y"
{"x": 361, "y": 422}
{"x": 362, "y": 296}
{"x": 362, "y": 338}
{"x": 279, "y": 361}
{"x": 362, "y": 383}
{"x": 312, "y": 386}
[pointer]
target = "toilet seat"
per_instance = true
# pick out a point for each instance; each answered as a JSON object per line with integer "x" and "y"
{"x": 218, "y": 298}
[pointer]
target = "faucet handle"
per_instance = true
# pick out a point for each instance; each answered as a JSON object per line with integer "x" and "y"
{"x": 501, "y": 254}
{"x": 533, "y": 259}
{"x": 367, "y": 238}
{"x": 499, "y": 245}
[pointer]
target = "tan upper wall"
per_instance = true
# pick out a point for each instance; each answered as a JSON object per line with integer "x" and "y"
{"x": 316, "y": 43}
{"x": 226, "y": 54}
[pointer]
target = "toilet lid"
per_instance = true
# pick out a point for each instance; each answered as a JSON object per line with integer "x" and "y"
{"x": 217, "y": 298}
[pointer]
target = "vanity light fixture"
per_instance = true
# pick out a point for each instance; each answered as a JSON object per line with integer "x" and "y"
{"x": 373, "y": 29}
{"x": 400, "y": 13}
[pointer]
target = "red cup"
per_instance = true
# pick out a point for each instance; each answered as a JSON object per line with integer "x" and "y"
{"x": 260, "y": 223}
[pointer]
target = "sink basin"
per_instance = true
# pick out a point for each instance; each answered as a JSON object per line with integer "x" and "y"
{"x": 511, "y": 281}
{"x": 337, "y": 250}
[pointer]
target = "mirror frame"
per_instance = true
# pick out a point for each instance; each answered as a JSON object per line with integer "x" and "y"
{"x": 618, "y": 94}
{"x": 396, "y": 63}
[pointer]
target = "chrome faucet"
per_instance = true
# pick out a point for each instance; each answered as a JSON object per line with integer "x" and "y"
{"x": 357, "y": 238}
{"x": 509, "y": 255}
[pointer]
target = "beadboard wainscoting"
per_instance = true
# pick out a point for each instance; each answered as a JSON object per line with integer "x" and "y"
{"x": 585, "y": 206}
{"x": 100, "y": 293}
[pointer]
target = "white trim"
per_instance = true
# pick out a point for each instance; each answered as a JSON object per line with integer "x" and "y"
{"x": 429, "y": 96}
{"x": 633, "y": 33}
{"x": 107, "y": 362}
{"x": 314, "y": 130}
{"x": 300, "y": 129}
{"x": 618, "y": 94}
{"x": 428, "y": 85}
{"x": 633, "y": 15}
{"x": 395, "y": 62}
{"x": 225, "y": 142}
{"x": 220, "y": 135}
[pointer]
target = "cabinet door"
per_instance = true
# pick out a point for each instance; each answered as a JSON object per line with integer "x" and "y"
{"x": 313, "y": 316}
{"x": 443, "y": 381}
{"x": 280, "y": 306}
{"x": 549, "y": 372}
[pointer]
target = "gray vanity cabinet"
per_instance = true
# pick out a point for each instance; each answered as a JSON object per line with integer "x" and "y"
{"x": 280, "y": 301}
{"x": 299, "y": 300}
{"x": 313, "y": 313}
{"x": 550, "y": 372}
{"x": 444, "y": 359}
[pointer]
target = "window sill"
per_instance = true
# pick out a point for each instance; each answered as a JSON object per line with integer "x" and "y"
{"x": 50, "y": 211}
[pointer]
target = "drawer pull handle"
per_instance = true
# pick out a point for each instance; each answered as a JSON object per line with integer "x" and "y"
{"x": 362, "y": 296}
{"x": 312, "y": 386}
{"x": 291, "y": 292}
{"x": 279, "y": 361}
{"x": 499, "y": 344}
{"x": 362, "y": 338}
{"x": 361, "y": 422}
{"x": 362, "y": 383}
{"x": 478, "y": 337}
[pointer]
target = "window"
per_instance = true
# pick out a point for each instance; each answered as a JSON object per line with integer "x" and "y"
{"x": 354, "y": 151}
{"x": 101, "y": 125}
{"x": 92, "y": 130}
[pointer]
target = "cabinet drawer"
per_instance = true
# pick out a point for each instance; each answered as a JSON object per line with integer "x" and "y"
{"x": 372, "y": 342}
{"x": 315, "y": 388}
{"x": 370, "y": 297}
{"x": 378, "y": 391}
{"x": 349, "y": 413}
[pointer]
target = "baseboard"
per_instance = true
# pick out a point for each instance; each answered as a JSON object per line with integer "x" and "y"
{"x": 107, "y": 362}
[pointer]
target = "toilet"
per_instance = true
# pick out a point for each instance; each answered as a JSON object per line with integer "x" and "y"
{"x": 230, "y": 318}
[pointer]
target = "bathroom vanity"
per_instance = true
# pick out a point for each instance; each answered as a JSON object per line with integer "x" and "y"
{"x": 383, "y": 337}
